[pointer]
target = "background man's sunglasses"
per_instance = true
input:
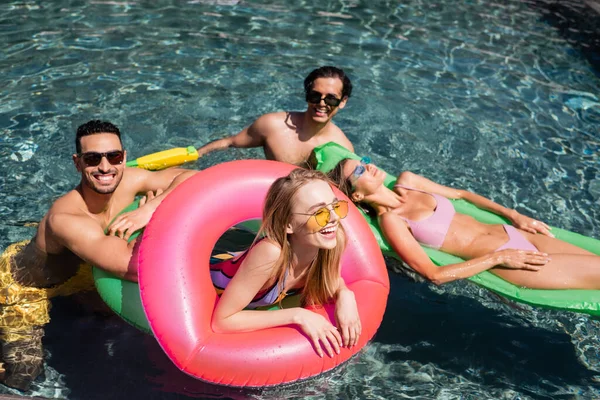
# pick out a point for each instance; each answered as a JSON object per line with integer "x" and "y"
{"x": 315, "y": 97}
{"x": 93, "y": 159}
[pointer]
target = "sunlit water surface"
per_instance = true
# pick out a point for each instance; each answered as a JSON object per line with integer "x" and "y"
{"x": 497, "y": 97}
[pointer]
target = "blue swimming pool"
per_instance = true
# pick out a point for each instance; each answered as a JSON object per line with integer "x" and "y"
{"x": 502, "y": 98}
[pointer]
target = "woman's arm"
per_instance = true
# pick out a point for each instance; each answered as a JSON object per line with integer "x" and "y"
{"x": 251, "y": 277}
{"x": 346, "y": 315}
{"x": 405, "y": 245}
{"x": 518, "y": 220}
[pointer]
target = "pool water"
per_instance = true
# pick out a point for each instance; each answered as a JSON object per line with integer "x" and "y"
{"x": 502, "y": 98}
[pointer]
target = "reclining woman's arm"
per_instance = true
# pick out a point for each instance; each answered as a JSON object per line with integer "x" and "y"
{"x": 519, "y": 220}
{"x": 398, "y": 235}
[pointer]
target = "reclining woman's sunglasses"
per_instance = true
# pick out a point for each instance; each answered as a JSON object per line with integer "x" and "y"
{"x": 93, "y": 159}
{"x": 322, "y": 215}
{"x": 315, "y": 97}
{"x": 359, "y": 170}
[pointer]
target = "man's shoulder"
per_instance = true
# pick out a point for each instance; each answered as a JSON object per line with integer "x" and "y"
{"x": 333, "y": 129}
{"x": 279, "y": 116}
{"x": 69, "y": 203}
{"x": 131, "y": 174}
{"x": 69, "y": 226}
{"x": 133, "y": 178}
{"x": 68, "y": 207}
{"x": 275, "y": 121}
{"x": 335, "y": 134}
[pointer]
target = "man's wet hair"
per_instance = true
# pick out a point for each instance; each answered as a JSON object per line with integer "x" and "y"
{"x": 93, "y": 127}
{"x": 328, "y": 72}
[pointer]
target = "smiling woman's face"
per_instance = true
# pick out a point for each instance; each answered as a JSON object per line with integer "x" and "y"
{"x": 305, "y": 229}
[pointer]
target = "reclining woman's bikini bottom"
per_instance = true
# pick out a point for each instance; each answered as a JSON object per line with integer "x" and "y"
{"x": 516, "y": 240}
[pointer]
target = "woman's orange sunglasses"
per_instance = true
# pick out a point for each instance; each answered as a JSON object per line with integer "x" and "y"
{"x": 323, "y": 214}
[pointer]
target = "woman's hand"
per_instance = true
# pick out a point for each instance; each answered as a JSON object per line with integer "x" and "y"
{"x": 319, "y": 329}
{"x": 522, "y": 259}
{"x": 348, "y": 320}
{"x": 529, "y": 224}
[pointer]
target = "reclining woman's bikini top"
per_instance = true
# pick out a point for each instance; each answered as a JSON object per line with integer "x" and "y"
{"x": 432, "y": 230}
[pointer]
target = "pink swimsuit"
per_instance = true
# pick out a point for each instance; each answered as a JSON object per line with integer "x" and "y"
{"x": 516, "y": 240}
{"x": 432, "y": 230}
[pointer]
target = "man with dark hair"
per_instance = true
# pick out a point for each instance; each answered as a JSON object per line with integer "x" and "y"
{"x": 291, "y": 136}
{"x": 92, "y": 127}
{"x": 69, "y": 238}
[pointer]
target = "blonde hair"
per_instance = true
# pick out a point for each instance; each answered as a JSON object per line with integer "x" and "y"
{"x": 324, "y": 271}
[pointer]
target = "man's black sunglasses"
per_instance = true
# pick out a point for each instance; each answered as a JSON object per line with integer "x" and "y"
{"x": 315, "y": 97}
{"x": 93, "y": 159}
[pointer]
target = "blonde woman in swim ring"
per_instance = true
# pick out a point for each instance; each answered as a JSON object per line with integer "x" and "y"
{"x": 300, "y": 252}
{"x": 417, "y": 211}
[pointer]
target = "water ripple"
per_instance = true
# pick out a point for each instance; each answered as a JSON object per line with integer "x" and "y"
{"x": 495, "y": 97}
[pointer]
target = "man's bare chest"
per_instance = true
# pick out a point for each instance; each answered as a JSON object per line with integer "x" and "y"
{"x": 290, "y": 149}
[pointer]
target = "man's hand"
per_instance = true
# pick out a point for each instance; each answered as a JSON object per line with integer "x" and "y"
{"x": 126, "y": 224}
{"x": 150, "y": 195}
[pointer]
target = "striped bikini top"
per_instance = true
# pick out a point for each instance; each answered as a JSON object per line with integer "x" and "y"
{"x": 222, "y": 272}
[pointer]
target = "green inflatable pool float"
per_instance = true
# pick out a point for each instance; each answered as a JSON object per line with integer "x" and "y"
{"x": 123, "y": 296}
{"x": 586, "y": 301}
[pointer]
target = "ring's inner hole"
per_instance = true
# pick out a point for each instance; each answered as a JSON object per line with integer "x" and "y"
{"x": 237, "y": 238}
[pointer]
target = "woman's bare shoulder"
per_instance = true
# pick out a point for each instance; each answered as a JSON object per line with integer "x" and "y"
{"x": 263, "y": 254}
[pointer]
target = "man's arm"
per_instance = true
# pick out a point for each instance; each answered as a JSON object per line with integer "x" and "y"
{"x": 151, "y": 181}
{"x": 250, "y": 136}
{"x": 85, "y": 238}
{"x": 147, "y": 181}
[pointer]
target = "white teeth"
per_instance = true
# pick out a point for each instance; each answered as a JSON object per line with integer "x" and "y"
{"x": 104, "y": 177}
{"x": 327, "y": 231}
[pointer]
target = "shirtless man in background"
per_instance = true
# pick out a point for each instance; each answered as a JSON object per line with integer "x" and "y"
{"x": 291, "y": 136}
{"x": 69, "y": 238}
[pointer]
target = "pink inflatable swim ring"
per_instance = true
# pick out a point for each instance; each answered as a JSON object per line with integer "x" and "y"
{"x": 179, "y": 298}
